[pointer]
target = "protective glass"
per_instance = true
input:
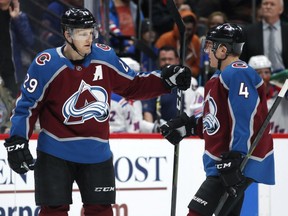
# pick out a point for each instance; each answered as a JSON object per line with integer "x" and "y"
{"x": 84, "y": 34}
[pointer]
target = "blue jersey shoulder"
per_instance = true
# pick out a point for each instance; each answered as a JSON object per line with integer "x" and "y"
{"x": 48, "y": 62}
{"x": 240, "y": 72}
{"x": 107, "y": 56}
{"x": 42, "y": 69}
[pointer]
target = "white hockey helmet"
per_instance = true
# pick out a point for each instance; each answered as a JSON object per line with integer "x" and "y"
{"x": 259, "y": 62}
{"x": 134, "y": 65}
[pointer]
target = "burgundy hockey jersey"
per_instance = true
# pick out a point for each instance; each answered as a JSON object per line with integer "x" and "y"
{"x": 72, "y": 101}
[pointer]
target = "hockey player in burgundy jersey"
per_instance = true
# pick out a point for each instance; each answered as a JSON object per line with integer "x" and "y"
{"x": 69, "y": 90}
{"x": 233, "y": 111}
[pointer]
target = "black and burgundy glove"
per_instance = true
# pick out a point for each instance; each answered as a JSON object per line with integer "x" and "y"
{"x": 230, "y": 172}
{"x": 178, "y": 128}
{"x": 177, "y": 76}
{"x": 19, "y": 157}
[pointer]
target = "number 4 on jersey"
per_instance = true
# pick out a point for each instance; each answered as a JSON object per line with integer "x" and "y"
{"x": 243, "y": 90}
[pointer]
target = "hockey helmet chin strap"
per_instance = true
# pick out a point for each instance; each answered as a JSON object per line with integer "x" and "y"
{"x": 75, "y": 48}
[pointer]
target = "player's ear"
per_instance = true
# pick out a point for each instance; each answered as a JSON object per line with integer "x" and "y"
{"x": 223, "y": 50}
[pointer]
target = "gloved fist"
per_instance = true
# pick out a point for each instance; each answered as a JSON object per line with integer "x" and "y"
{"x": 157, "y": 124}
{"x": 19, "y": 157}
{"x": 230, "y": 172}
{"x": 176, "y": 75}
{"x": 176, "y": 129}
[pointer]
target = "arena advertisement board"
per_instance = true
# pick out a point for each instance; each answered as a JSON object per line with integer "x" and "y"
{"x": 143, "y": 167}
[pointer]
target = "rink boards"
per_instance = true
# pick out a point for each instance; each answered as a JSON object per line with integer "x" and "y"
{"x": 143, "y": 167}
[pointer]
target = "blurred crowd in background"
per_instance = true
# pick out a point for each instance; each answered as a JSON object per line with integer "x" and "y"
{"x": 144, "y": 32}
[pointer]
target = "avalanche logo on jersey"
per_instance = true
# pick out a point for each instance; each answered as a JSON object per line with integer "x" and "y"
{"x": 43, "y": 58}
{"x": 210, "y": 121}
{"x": 88, "y": 102}
{"x": 239, "y": 64}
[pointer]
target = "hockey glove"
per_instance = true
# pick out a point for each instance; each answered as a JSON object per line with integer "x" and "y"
{"x": 19, "y": 157}
{"x": 176, "y": 75}
{"x": 230, "y": 173}
{"x": 176, "y": 129}
{"x": 157, "y": 124}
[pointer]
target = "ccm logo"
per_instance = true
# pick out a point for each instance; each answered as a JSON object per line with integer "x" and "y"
{"x": 223, "y": 165}
{"x": 104, "y": 189}
{"x": 15, "y": 147}
{"x": 200, "y": 201}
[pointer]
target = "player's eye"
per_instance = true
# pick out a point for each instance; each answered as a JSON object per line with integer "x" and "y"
{"x": 85, "y": 34}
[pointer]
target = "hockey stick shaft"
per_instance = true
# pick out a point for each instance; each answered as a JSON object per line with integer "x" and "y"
{"x": 181, "y": 27}
{"x": 256, "y": 140}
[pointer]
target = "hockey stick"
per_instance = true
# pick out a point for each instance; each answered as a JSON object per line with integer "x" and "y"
{"x": 181, "y": 28}
{"x": 255, "y": 142}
